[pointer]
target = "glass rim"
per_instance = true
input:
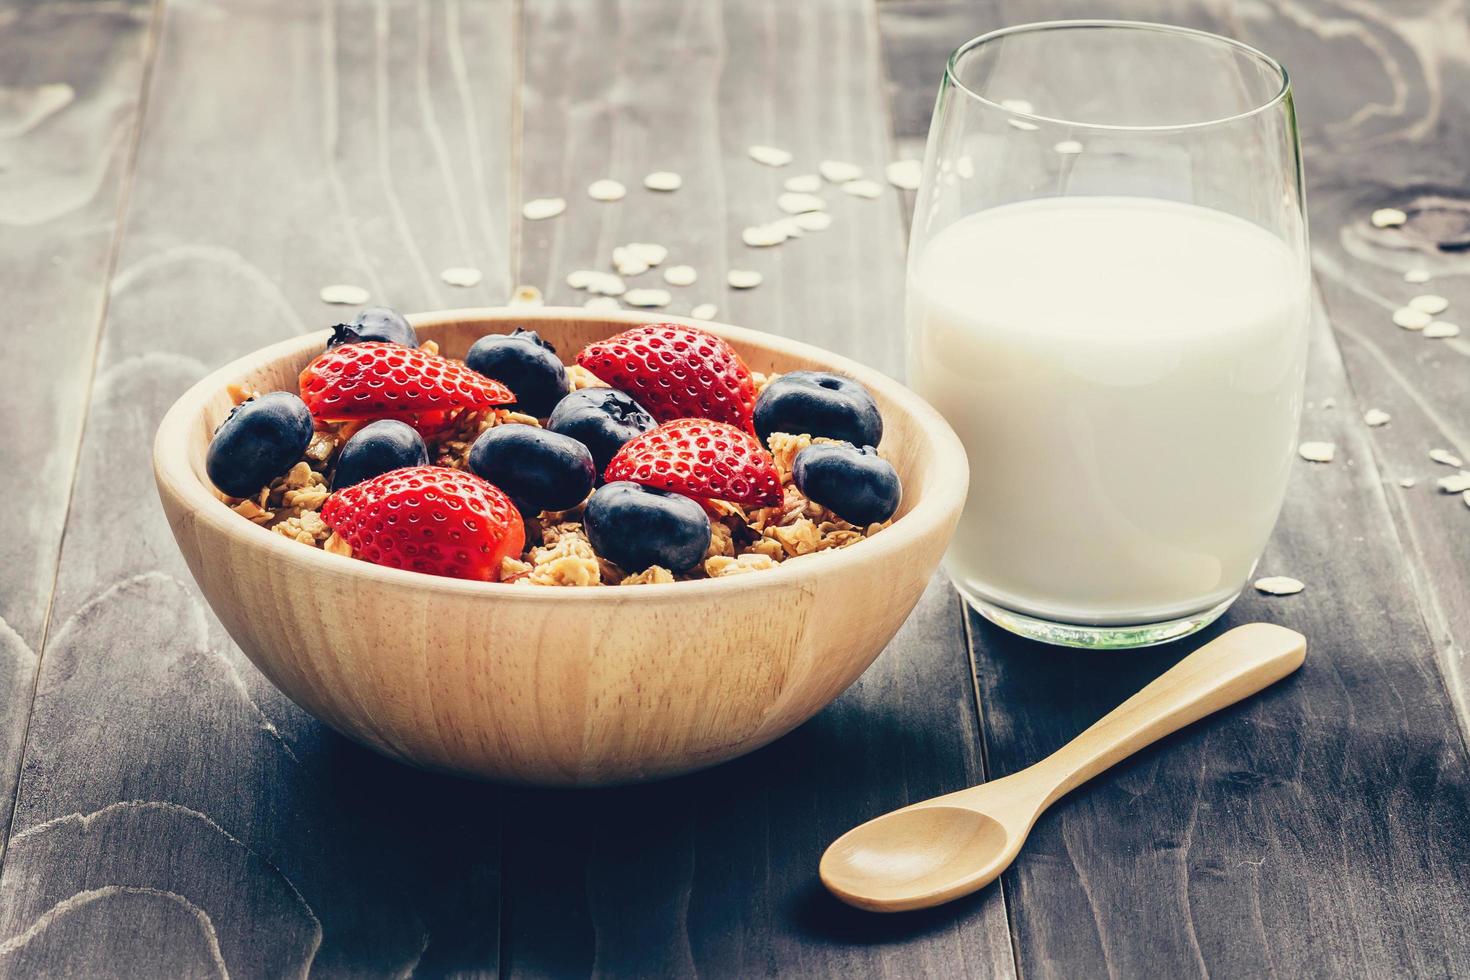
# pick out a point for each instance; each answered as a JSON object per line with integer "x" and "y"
{"x": 1283, "y": 91}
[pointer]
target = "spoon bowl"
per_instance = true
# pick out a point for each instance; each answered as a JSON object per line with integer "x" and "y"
{"x": 917, "y": 857}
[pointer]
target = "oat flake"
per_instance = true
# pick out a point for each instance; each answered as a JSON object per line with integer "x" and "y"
{"x": 813, "y": 221}
{"x": 904, "y": 174}
{"x": 663, "y": 180}
{"x": 606, "y": 190}
{"x": 344, "y": 294}
{"x": 1329, "y": 403}
{"x": 743, "y": 278}
{"x": 1023, "y": 125}
{"x": 1446, "y": 457}
{"x": 839, "y": 171}
{"x": 769, "y": 155}
{"x": 804, "y": 184}
{"x": 1430, "y": 303}
{"x": 526, "y": 296}
{"x": 1387, "y": 218}
{"x": 680, "y": 275}
{"x": 647, "y": 297}
{"x": 1411, "y": 319}
{"x": 462, "y": 275}
{"x": 1317, "y": 452}
{"x": 1408, "y": 482}
{"x": 1458, "y": 483}
{"x": 1375, "y": 417}
{"x": 793, "y": 203}
{"x": 647, "y": 251}
{"x": 1417, "y": 276}
{"x": 705, "y": 311}
{"x": 602, "y": 304}
{"x": 763, "y": 236}
{"x": 862, "y": 188}
{"x": 542, "y": 208}
{"x": 1067, "y": 147}
{"x": 1017, "y": 105}
{"x": 1278, "y": 585}
{"x": 1440, "y": 329}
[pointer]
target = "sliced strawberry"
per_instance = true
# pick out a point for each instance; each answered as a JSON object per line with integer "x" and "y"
{"x": 701, "y": 459}
{"x": 428, "y": 519}
{"x": 356, "y": 382}
{"x": 675, "y": 372}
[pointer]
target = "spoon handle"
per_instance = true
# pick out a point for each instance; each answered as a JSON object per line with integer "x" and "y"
{"x": 1228, "y": 669}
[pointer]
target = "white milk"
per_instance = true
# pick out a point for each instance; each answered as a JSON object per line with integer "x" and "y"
{"x": 1125, "y": 375}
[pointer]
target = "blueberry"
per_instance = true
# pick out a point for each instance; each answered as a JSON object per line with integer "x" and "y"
{"x": 541, "y": 470}
{"x": 525, "y": 364}
{"x": 377, "y": 448}
{"x": 258, "y": 441}
{"x": 602, "y": 419}
{"x": 857, "y": 485}
{"x": 819, "y": 404}
{"x": 635, "y": 527}
{"x": 376, "y": 323}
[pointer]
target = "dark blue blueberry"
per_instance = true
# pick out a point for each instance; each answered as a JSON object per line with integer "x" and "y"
{"x": 376, "y": 323}
{"x": 634, "y": 527}
{"x": 258, "y": 441}
{"x": 525, "y": 364}
{"x": 540, "y": 470}
{"x": 602, "y": 419}
{"x": 818, "y": 404}
{"x": 857, "y": 485}
{"x": 377, "y": 448}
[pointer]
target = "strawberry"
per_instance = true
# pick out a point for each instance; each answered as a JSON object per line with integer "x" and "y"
{"x": 701, "y": 459}
{"x": 675, "y": 372}
{"x": 428, "y": 519}
{"x": 355, "y": 382}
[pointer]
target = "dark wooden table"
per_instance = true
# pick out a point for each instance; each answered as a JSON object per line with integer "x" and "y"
{"x": 178, "y": 179}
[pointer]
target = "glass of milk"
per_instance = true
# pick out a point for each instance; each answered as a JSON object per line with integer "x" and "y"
{"x": 1108, "y": 299}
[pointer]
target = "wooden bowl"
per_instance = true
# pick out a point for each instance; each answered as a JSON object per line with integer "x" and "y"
{"x": 558, "y": 686}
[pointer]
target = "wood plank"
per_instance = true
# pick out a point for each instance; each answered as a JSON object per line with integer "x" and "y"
{"x": 176, "y": 815}
{"x": 715, "y": 873}
{"x": 1313, "y": 831}
{"x": 70, "y": 76}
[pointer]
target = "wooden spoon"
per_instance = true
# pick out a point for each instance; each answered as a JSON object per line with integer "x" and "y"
{"x": 931, "y": 852}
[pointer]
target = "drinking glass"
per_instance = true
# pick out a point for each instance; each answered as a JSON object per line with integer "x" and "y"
{"x": 1108, "y": 298}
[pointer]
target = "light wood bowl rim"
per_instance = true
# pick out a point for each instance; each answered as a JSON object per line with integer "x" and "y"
{"x": 946, "y": 480}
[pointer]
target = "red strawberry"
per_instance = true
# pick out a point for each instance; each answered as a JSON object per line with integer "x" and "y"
{"x": 354, "y": 382}
{"x": 701, "y": 459}
{"x": 429, "y": 519}
{"x": 675, "y": 372}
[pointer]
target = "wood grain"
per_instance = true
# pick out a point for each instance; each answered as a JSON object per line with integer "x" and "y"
{"x": 175, "y": 811}
{"x": 715, "y": 873}
{"x": 69, "y": 82}
{"x": 1313, "y": 831}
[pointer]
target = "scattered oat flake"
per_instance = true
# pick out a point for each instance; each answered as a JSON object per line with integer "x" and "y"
{"x": 1466, "y": 498}
{"x": 965, "y": 167}
{"x": 793, "y": 203}
{"x": 462, "y": 275}
{"x": 1411, "y": 319}
{"x": 526, "y": 296}
{"x": 1329, "y": 403}
{"x": 1407, "y": 481}
{"x": 606, "y": 190}
{"x": 596, "y": 281}
{"x": 1446, "y": 457}
{"x": 1375, "y": 417}
{"x": 602, "y": 304}
{"x": 1441, "y": 329}
{"x": 1067, "y": 147}
{"x": 1387, "y": 218}
{"x": 344, "y": 295}
{"x": 764, "y": 236}
{"x": 839, "y": 171}
{"x": 769, "y": 155}
{"x": 1417, "y": 276}
{"x": 743, "y": 278}
{"x": 648, "y": 252}
{"x": 904, "y": 174}
{"x": 1317, "y": 452}
{"x": 789, "y": 226}
{"x": 1458, "y": 483}
{"x": 705, "y": 311}
{"x": 813, "y": 221}
{"x": 542, "y": 208}
{"x": 680, "y": 275}
{"x": 804, "y": 184}
{"x": 863, "y": 188}
{"x": 1023, "y": 125}
{"x": 628, "y": 264}
{"x": 647, "y": 297}
{"x": 1278, "y": 585}
{"x": 663, "y": 180}
{"x": 1017, "y": 105}
{"x": 1430, "y": 303}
